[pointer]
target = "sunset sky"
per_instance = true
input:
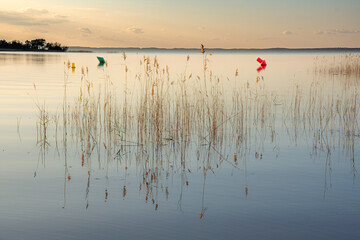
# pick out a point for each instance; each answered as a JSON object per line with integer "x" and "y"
{"x": 186, "y": 23}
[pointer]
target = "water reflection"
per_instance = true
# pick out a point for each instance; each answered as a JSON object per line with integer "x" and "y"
{"x": 29, "y": 58}
{"x": 261, "y": 68}
{"x": 189, "y": 127}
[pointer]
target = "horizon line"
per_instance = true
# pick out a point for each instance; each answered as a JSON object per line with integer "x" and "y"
{"x": 224, "y": 49}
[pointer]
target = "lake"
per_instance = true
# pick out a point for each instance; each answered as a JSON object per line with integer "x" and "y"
{"x": 170, "y": 145}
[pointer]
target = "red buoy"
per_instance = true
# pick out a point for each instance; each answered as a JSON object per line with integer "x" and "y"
{"x": 261, "y": 61}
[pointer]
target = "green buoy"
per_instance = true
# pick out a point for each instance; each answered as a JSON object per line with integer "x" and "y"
{"x": 101, "y": 60}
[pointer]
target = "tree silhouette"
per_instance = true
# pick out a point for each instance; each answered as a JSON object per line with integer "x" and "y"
{"x": 38, "y": 44}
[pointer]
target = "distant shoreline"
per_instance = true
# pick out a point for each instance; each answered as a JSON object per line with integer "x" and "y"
{"x": 225, "y": 50}
{"x": 76, "y": 49}
{"x": 29, "y": 50}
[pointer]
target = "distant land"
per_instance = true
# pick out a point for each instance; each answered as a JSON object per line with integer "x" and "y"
{"x": 212, "y": 50}
{"x": 36, "y": 45}
{"x": 58, "y": 48}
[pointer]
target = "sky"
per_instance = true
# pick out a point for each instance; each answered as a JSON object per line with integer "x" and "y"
{"x": 185, "y": 23}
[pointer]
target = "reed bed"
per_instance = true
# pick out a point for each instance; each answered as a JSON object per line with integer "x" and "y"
{"x": 347, "y": 65}
{"x": 191, "y": 124}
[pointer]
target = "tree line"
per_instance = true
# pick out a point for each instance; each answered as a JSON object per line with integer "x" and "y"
{"x": 39, "y": 44}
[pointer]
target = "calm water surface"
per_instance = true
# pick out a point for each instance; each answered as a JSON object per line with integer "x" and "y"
{"x": 291, "y": 174}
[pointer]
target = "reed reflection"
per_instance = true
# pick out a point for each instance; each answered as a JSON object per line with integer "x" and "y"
{"x": 29, "y": 58}
{"x": 174, "y": 128}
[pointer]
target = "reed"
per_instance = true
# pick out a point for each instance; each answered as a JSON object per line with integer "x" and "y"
{"x": 190, "y": 124}
{"x": 346, "y": 65}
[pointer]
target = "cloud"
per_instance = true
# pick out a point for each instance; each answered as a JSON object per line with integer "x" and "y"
{"x": 336, "y": 31}
{"x": 30, "y": 17}
{"x": 37, "y": 30}
{"x": 85, "y": 30}
{"x": 32, "y": 11}
{"x": 287, "y": 32}
{"x": 136, "y": 30}
{"x": 60, "y": 16}
{"x": 201, "y": 28}
{"x": 319, "y": 32}
{"x": 346, "y": 31}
